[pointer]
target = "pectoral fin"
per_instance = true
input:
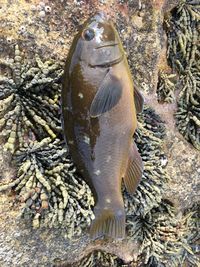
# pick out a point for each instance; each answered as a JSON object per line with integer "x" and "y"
{"x": 107, "y": 96}
{"x": 134, "y": 170}
{"x": 139, "y": 100}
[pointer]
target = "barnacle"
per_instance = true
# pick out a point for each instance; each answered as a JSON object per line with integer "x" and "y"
{"x": 29, "y": 100}
{"x": 184, "y": 57}
{"x": 166, "y": 87}
{"x": 47, "y": 184}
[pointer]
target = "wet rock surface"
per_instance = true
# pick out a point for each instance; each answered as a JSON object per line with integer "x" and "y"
{"x": 47, "y": 28}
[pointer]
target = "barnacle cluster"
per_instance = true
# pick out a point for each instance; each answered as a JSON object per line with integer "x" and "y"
{"x": 29, "y": 100}
{"x": 184, "y": 57}
{"x": 166, "y": 87}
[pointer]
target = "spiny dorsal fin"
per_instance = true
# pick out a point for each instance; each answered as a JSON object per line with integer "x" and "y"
{"x": 108, "y": 224}
{"x": 139, "y": 100}
{"x": 134, "y": 170}
{"x": 107, "y": 96}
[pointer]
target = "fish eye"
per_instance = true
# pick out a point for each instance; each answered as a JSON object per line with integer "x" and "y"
{"x": 88, "y": 34}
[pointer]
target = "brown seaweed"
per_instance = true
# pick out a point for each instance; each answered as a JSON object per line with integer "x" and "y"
{"x": 166, "y": 87}
{"x": 29, "y": 100}
{"x": 53, "y": 194}
{"x": 184, "y": 57}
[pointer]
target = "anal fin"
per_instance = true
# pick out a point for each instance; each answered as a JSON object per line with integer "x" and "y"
{"x": 134, "y": 170}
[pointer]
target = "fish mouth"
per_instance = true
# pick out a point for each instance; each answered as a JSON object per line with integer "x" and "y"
{"x": 108, "y": 64}
{"x": 107, "y": 44}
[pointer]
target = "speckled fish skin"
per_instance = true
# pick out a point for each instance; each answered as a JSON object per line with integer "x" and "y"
{"x": 99, "y": 120}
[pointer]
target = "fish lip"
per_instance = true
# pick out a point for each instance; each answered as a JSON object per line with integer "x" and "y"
{"x": 108, "y": 64}
{"x": 107, "y": 45}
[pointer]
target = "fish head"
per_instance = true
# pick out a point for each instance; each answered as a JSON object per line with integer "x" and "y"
{"x": 98, "y": 42}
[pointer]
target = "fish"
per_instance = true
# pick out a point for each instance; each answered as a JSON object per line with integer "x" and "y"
{"x": 99, "y": 117}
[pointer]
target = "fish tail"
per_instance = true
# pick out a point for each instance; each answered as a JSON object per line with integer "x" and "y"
{"x": 108, "y": 223}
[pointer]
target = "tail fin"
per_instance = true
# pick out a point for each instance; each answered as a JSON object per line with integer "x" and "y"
{"x": 108, "y": 223}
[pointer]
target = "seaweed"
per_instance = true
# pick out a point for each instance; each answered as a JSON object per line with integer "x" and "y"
{"x": 94, "y": 259}
{"x": 53, "y": 194}
{"x": 166, "y": 87}
{"x": 101, "y": 258}
{"x": 164, "y": 236}
{"x": 188, "y": 117}
{"x": 184, "y": 57}
{"x": 47, "y": 184}
{"x": 29, "y": 100}
{"x": 149, "y": 135}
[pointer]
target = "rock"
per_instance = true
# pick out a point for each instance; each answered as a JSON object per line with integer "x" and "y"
{"x": 47, "y": 29}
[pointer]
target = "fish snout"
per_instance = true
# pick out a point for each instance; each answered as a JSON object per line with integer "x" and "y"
{"x": 101, "y": 16}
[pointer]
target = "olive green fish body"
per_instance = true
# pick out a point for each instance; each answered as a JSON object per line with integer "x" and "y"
{"x": 99, "y": 120}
